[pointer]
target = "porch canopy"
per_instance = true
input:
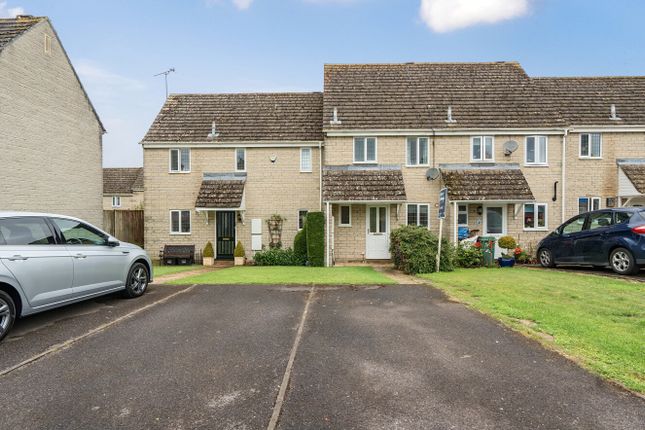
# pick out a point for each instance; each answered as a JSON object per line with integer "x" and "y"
{"x": 486, "y": 182}
{"x": 221, "y": 192}
{"x": 631, "y": 180}
{"x": 363, "y": 184}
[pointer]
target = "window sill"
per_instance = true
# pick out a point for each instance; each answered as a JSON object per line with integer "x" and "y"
{"x": 173, "y": 172}
{"x": 413, "y": 166}
{"x": 536, "y": 229}
{"x": 344, "y": 225}
{"x": 535, "y": 165}
{"x": 366, "y": 162}
{"x": 482, "y": 161}
{"x": 180, "y": 234}
{"x": 589, "y": 158}
{"x": 306, "y": 171}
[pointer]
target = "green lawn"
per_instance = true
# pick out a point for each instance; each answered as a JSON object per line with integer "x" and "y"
{"x": 598, "y": 321}
{"x": 290, "y": 275}
{"x": 169, "y": 270}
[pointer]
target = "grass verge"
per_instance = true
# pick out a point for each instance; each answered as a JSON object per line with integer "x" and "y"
{"x": 169, "y": 270}
{"x": 290, "y": 275}
{"x": 597, "y": 321}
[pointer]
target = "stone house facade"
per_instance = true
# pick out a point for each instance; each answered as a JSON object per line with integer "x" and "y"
{"x": 518, "y": 155}
{"x": 123, "y": 188}
{"x": 49, "y": 129}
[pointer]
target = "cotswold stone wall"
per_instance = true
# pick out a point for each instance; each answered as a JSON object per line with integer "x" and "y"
{"x": 49, "y": 135}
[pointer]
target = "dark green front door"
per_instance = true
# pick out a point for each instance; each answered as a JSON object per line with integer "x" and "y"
{"x": 225, "y": 228}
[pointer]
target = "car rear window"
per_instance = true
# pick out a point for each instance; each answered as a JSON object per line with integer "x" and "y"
{"x": 26, "y": 231}
{"x": 622, "y": 217}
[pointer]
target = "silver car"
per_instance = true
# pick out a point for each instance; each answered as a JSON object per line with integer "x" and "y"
{"x": 47, "y": 261}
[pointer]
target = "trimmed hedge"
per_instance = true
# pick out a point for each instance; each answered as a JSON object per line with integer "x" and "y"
{"x": 275, "y": 257}
{"x": 300, "y": 246}
{"x": 414, "y": 250}
{"x": 315, "y": 238}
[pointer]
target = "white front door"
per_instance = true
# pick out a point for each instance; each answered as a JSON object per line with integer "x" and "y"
{"x": 495, "y": 224}
{"x": 377, "y": 246}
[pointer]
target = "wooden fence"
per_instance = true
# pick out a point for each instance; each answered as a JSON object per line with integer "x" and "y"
{"x": 124, "y": 225}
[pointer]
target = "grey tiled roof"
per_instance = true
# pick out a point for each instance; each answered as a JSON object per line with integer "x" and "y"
{"x": 10, "y": 28}
{"x": 239, "y": 117}
{"x": 495, "y": 182}
{"x": 587, "y": 101}
{"x": 481, "y": 95}
{"x": 225, "y": 191}
{"x": 417, "y": 96}
{"x": 352, "y": 183}
{"x": 636, "y": 174}
{"x": 122, "y": 180}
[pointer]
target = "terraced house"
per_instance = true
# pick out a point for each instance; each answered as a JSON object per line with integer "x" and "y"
{"x": 519, "y": 155}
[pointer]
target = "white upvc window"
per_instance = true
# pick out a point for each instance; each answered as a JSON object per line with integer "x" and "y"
{"x": 345, "y": 216}
{"x": 180, "y": 160}
{"x": 302, "y": 217}
{"x": 116, "y": 201}
{"x": 418, "y": 214}
{"x": 535, "y": 216}
{"x": 305, "y": 160}
{"x": 587, "y": 204}
{"x": 180, "y": 222}
{"x": 590, "y": 145}
{"x": 416, "y": 149}
{"x": 365, "y": 150}
{"x": 240, "y": 159}
{"x": 482, "y": 148}
{"x": 536, "y": 150}
{"x": 462, "y": 215}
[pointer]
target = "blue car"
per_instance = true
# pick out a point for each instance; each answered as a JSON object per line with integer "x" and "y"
{"x": 606, "y": 238}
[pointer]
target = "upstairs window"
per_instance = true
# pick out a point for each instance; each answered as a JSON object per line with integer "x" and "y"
{"x": 417, "y": 151}
{"x": 418, "y": 214}
{"x": 305, "y": 160}
{"x": 534, "y": 216}
{"x": 180, "y": 222}
{"x": 240, "y": 160}
{"x": 180, "y": 160}
{"x": 365, "y": 150}
{"x": 482, "y": 148}
{"x": 590, "y": 145}
{"x": 587, "y": 204}
{"x": 116, "y": 201}
{"x": 536, "y": 150}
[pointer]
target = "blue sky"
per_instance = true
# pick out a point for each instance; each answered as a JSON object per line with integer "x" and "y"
{"x": 281, "y": 45}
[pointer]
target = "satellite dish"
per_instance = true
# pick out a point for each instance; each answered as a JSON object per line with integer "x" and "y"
{"x": 510, "y": 147}
{"x": 432, "y": 174}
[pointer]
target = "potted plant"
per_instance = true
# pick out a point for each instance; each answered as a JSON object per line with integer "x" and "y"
{"x": 507, "y": 259}
{"x": 239, "y": 254}
{"x": 208, "y": 254}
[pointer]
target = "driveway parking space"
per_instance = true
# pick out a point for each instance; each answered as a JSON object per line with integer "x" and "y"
{"x": 368, "y": 358}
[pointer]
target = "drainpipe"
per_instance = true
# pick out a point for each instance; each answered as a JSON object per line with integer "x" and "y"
{"x": 327, "y": 236}
{"x": 563, "y": 203}
{"x": 320, "y": 164}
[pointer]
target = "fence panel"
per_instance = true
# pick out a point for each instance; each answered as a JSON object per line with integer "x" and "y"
{"x": 125, "y": 225}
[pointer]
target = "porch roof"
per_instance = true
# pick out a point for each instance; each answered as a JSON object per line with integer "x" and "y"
{"x": 379, "y": 183}
{"x": 492, "y": 182}
{"x": 221, "y": 191}
{"x": 634, "y": 169}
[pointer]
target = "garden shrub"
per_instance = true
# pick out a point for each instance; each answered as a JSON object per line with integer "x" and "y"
{"x": 208, "y": 250}
{"x": 508, "y": 243}
{"x": 239, "y": 250}
{"x": 467, "y": 255}
{"x": 315, "y": 237}
{"x": 414, "y": 250}
{"x": 300, "y": 246}
{"x": 275, "y": 257}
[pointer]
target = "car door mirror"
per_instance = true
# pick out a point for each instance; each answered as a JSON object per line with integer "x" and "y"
{"x": 112, "y": 242}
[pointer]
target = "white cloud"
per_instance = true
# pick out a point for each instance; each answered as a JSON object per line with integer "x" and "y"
{"x": 102, "y": 83}
{"x": 239, "y": 4}
{"x": 242, "y": 4}
{"x": 10, "y": 12}
{"x": 448, "y": 15}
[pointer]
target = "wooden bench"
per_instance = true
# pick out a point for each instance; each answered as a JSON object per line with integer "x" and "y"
{"x": 177, "y": 255}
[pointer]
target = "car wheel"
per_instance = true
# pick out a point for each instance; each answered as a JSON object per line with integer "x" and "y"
{"x": 137, "y": 281}
{"x": 622, "y": 262}
{"x": 7, "y": 313}
{"x": 546, "y": 258}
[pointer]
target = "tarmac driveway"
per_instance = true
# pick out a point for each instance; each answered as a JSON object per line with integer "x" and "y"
{"x": 225, "y": 357}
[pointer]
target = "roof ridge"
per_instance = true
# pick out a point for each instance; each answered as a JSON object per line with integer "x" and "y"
{"x": 589, "y": 77}
{"x": 259, "y": 93}
{"x": 512, "y": 62}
